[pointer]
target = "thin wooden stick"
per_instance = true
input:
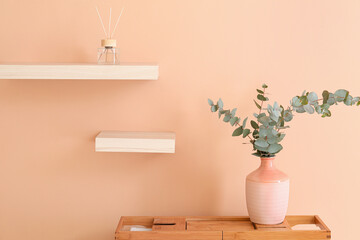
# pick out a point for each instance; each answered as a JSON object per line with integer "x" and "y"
{"x": 102, "y": 24}
{"x": 110, "y": 23}
{"x": 117, "y": 22}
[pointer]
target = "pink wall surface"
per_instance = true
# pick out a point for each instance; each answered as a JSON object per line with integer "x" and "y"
{"x": 54, "y": 186}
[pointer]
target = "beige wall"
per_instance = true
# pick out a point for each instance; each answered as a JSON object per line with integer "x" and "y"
{"x": 54, "y": 186}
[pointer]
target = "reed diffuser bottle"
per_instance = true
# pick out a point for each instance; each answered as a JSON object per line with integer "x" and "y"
{"x": 108, "y": 53}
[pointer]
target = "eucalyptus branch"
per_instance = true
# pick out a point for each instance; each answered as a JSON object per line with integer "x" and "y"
{"x": 266, "y": 130}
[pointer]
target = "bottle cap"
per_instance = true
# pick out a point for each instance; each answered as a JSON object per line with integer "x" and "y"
{"x": 108, "y": 42}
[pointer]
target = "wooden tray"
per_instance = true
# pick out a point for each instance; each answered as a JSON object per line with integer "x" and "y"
{"x": 220, "y": 228}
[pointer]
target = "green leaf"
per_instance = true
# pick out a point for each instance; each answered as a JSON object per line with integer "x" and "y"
{"x": 340, "y": 95}
{"x": 255, "y": 133}
{"x": 272, "y": 140}
{"x": 261, "y": 97}
{"x": 282, "y": 123}
{"x": 304, "y": 100}
{"x": 261, "y": 143}
{"x": 214, "y": 108}
{"x": 260, "y": 91}
{"x": 281, "y": 137}
{"x": 264, "y": 120}
{"x": 222, "y": 111}
{"x": 233, "y": 112}
{"x": 254, "y": 124}
{"x": 256, "y": 154}
{"x": 275, "y": 148}
{"x": 272, "y": 123}
{"x": 355, "y": 100}
{"x": 237, "y": 132}
{"x": 300, "y": 109}
{"x": 210, "y": 102}
{"x": 220, "y": 103}
{"x": 227, "y": 118}
{"x": 244, "y": 122}
{"x": 257, "y": 105}
{"x": 264, "y": 86}
{"x": 233, "y": 120}
{"x": 288, "y": 116}
{"x": 348, "y": 101}
{"x": 358, "y": 103}
{"x": 312, "y": 97}
{"x": 263, "y": 132}
{"x": 325, "y": 96}
{"x": 309, "y": 109}
{"x": 295, "y": 102}
{"x": 246, "y": 132}
{"x": 331, "y": 99}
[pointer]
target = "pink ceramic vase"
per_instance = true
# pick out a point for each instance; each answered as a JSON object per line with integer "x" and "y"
{"x": 267, "y": 193}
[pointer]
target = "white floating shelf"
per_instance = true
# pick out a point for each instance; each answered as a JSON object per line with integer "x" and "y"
{"x": 148, "y": 142}
{"x": 80, "y": 71}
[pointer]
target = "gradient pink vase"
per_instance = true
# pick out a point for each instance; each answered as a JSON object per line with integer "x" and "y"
{"x": 267, "y": 193}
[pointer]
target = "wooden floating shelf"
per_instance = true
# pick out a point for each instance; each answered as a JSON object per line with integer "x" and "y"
{"x": 219, "y": 228}
{"x": 80, "y": 72}
{"x": 147, "y": 142}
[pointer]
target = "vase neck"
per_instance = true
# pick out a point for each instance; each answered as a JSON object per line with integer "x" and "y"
{"x": 267, "y": 162}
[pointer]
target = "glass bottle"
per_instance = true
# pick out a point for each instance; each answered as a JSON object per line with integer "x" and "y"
{"x": 108, "y": 53}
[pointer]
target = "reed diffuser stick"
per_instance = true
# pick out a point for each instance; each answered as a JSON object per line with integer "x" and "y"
{"x": 117, "y": 22}
{"x": 102, "y": 24}
{"x": 110, "y": 24}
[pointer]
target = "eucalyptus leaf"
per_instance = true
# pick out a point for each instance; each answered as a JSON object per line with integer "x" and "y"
{"x": 325, "y": 96}
{"x": 331, "y": 99}
{"x": 260, "y": 91}
{"x": 214, "y": 108}
{"x": 264, "y": 86}
{"x": 257, "y": 105}
{"x": 272, "y": 140}
{"x": 312, "y": 97}
{"x": 304, "y": 100}
{"x": 281, "y": 137}
{"x": 237, "y": 132}
{"x": 340, "y": 95}
{"x": 348, "y": 101}
{"x": 309, "y": 109}
{"x": 261, "y": 97}
{"x": 264, "y": 120}
{"x": 275, "y": 148}
{"x": 263, "y": 133}
{"x": 261, "y": 143}
{"x": 261, "y": 115}
{"x": 288, "y": 116}
{"x": 233, "y": 112}
{"x": 254, "y": 124}
{"x": 295, "y": 102}
{"x": 257, "y": 154}
{"x": 210, "y": 102}
{"x": 220, "y": 103}
{"x": 233, "y": 120}
{"x": 227, "y": 118}
{"x": 244, "y": 122}
{"x": 255, "y": 133}
{"x": 300, "y": 109}
{"x": 246, "y": 132}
